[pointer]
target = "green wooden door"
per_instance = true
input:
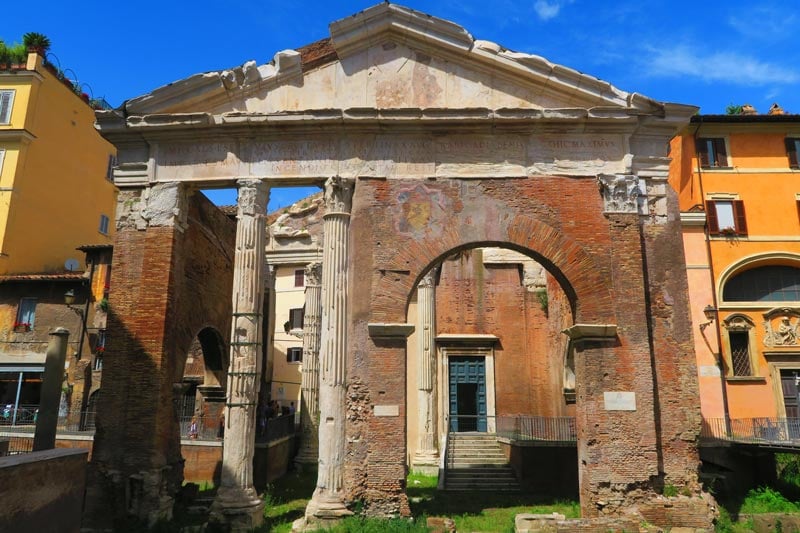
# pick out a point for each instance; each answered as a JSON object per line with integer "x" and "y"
{"x": 467, "y": 386}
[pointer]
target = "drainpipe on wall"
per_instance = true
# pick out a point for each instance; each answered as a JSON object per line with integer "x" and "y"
{"x": 714, "y": 299}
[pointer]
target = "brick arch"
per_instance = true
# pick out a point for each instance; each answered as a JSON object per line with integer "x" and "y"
{"x": 584, "y": 283}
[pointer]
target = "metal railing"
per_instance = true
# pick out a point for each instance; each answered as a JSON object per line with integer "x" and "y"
{"x": 209, "y": 428}
{"x": 467, "y": 423}
{"x": 23, "y": 418}
{"x": 760, "y": 430}
{"x": 537, "y": 428}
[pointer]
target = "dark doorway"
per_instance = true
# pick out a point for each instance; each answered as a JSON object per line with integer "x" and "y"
{"x": 467, "y": 388}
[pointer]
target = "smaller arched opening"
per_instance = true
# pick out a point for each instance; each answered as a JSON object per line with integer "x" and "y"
{"x": 487, "y": 362}
{"x": 203, "y": 386}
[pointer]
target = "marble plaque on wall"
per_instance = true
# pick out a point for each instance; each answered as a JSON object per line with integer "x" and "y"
{"x": 619, "y": 401}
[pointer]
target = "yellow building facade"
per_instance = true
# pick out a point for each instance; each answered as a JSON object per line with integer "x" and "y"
{"x": 55, "y": 187}
{"x": 57, "y": 206}
{"x": 738, "y": 181}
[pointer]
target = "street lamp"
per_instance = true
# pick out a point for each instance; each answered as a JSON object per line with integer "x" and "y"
{"x": 710, "y": 313}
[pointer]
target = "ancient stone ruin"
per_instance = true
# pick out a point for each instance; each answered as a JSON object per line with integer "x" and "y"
{"x": 427, "y": 143}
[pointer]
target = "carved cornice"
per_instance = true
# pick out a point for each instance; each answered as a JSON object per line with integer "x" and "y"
{"x": 385, "y": 22}
{"x": 383, "y": 330}
{"x": 591, "y": 332}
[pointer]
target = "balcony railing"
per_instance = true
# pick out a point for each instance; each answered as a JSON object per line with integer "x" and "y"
{"x": 537, "y": 428}
{"x": 783, "y": 432}
{"x": 20, "y": 429}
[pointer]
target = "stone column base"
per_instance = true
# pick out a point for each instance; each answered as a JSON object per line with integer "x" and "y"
{"x": 426, "y": 463}
{"x": 321, "y": 513}
{"x": 306, "y": 460}
{"x": 237, "y": 510}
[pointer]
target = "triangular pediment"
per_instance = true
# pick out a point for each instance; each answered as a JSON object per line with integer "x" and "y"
{"x": 391, "y": 57}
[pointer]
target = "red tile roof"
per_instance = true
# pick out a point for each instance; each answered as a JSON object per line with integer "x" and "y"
{"x": 64, "y": 276}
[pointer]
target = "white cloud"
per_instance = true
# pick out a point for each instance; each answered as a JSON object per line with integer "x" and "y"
{"x": 547, "y": 9}
{"x": 765, "y": 22}
{"x": 729, "y": 67}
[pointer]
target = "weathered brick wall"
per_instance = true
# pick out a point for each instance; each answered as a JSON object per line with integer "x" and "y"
{"x": 673, "y": 354}
{"x": 167, "y": 284}
{"x": 400, "y": 228}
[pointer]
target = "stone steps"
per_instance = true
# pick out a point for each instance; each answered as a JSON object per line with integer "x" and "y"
{"x": 475, "y": 462}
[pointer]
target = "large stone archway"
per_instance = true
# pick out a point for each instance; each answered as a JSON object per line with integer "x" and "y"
{"x": 430, "y": 141}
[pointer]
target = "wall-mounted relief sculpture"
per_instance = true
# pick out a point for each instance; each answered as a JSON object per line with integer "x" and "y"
{"x": 780, "y": 326}
{"x": 621, "y": 192}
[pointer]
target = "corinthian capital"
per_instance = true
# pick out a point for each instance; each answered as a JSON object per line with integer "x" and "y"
{"x": 314, "y": 274}
{"x": 428, "y": 280}
{"x": 253, "y": 197}
{"x": 338, "y": 194}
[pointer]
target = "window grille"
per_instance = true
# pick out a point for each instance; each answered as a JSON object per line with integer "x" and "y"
{"x": 740, "y": 353}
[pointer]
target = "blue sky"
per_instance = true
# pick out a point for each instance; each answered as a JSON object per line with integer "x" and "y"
{"x": 709, "y": 54}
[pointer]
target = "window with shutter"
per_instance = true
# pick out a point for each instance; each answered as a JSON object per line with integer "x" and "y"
{"x": 296, "y": 318}
{"x": 711, "y": 152}
{"x": 299, "y": 278}
{"x": 726, "y": 217}
{"x": 26, "y": 312}
{"x": 6, "y": 103}
{"x": 792, "y": 147}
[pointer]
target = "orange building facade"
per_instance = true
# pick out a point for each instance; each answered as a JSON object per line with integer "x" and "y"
{"x": 738, "y": 183}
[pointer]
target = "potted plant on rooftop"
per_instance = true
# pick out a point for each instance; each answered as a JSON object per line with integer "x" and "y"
{"x": 12, "y": 56}
{"x": 36, "y": 42}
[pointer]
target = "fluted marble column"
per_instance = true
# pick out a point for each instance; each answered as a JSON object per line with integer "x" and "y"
{"x": 309, "y": 412}
{"x": 328, "y": 501}
{"x": 237, "y": 503}
{"x": 427, "y": 456}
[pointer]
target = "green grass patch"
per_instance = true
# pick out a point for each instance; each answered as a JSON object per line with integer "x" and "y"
{"x": 358, "y": 524}
{"x": 725, "y": 524}
{"x": 478, "y": 511}
{"x": 285, "y": 500}
{"x": 767, "y": 500}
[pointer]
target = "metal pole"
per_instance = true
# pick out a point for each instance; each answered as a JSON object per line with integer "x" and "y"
{"x": 16, "y": 401}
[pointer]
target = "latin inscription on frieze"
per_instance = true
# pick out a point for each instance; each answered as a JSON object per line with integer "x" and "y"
{"x": 580, "y": 154}
{"x": 293, "y": 157}
{"x": 197, "y": 160}
{"x": 458, "y": 156}
{"x": 480, "y": 156}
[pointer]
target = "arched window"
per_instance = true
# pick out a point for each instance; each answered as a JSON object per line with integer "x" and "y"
{"x": 774, "y": 283}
